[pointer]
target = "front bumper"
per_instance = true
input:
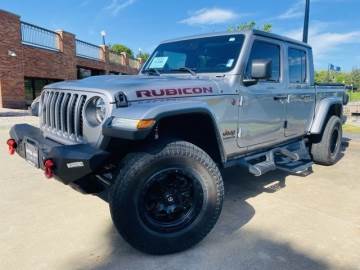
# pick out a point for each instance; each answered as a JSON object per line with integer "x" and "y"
{"x": 71, "y": 162}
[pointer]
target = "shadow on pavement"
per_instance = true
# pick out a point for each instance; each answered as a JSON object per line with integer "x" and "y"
{"x": 344, "y": 145}
{"x": 228, "y": 246}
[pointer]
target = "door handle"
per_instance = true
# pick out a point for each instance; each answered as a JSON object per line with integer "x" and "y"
{"x": 280, "y": 97}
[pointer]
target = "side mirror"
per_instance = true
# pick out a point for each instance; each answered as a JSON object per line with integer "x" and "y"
{"x": 260, "y": 70}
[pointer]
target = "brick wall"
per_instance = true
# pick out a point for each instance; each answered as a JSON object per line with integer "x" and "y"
{"x": 18, "y": 60}
{"x": 11, "y": 62}
{"x": 68, "y": 51}
{"x": 42, "y": 63}
{"x": 352, "y": 109}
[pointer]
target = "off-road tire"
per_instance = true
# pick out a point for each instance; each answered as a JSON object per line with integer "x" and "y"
{"x": 134, "y": 174}
{"x": 327, "y": 150}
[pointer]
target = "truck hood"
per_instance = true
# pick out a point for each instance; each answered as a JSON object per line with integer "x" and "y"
{"x": 142, "y": 87}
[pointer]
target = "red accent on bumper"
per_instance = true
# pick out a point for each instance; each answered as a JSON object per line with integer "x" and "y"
{"x": 49, "y": 168}
{"x": 12, "y": 146}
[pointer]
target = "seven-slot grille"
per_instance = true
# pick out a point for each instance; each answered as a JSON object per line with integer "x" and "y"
{"x": 62, "y": 113}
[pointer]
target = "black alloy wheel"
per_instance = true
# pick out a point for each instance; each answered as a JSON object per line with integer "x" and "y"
{"x": 170, "y": 200}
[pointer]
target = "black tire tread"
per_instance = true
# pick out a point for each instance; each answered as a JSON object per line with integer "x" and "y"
{"x": 135, "y": 161}
{"x": 320, "y": 150}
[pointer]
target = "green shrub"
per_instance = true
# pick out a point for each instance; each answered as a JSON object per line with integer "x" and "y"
{"x": 354, "y": 96}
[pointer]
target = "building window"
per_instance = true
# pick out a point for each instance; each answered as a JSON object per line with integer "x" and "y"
{"x": 297, "y": 65}
{"x": 34, "y": 86}
{"x": 114, "y": 73}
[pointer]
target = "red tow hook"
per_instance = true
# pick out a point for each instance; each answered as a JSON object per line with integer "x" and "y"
{"x": 49, "y": 168}
{"x": 12, "y": 146}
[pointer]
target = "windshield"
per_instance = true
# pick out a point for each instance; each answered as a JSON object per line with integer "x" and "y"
{"x": 201, "y": 55}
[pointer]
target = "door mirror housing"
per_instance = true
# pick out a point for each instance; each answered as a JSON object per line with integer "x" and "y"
{"x": 261, "y": 69}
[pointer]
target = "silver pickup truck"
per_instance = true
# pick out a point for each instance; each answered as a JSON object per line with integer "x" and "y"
{"x": 153, "y": 145}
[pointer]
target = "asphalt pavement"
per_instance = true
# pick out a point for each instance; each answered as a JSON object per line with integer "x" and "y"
{"x": 276, "y": 221}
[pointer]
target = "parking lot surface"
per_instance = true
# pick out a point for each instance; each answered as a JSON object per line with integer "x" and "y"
{"x": 276, "y": 221}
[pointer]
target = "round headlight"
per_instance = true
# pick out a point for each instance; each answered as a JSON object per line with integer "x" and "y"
{"x": 95, "y": 111}
{"x": 100, "y": 109}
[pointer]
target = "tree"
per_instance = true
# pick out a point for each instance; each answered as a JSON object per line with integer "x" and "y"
{"x": 321, "y": 76}
{"x": 267, "y": 27}
{"x": 348, "y": 78}
{"x": 250, "y": 26}
{"x": 143, "y": 56}
{"x": 119, "y": 48}
{"x": 355, "y": 77}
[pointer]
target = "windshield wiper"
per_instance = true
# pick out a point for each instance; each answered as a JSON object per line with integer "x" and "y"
{"x": 152, "y": 71}
{"x": 185, "y": 69}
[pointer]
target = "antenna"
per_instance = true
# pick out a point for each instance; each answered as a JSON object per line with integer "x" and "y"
{"x": 306, "y": 22}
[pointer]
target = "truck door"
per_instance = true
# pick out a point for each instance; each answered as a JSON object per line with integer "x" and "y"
{"x": 301, "y": 100}
{"x": 262, "y": 106}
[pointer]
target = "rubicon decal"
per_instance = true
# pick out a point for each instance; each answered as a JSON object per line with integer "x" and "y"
{"x": 174, "y": 92}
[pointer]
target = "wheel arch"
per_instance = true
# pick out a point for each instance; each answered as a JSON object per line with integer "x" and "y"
{"x": 326, "y": 108}
{"x": 189, "y": 120}
{"x": 195, "y": 125}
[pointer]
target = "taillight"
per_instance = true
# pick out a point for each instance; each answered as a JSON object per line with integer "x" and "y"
{"x": 49, "y": 168}
{"x": 12, "y": 146}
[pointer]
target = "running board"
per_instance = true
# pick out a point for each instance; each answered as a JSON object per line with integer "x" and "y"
{"x": 297, "y": 167}
{"x": 262, "y": 168}
{"x": 292, "y": 158}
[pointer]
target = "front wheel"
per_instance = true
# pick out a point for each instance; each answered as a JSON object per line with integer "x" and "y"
{"x": 167, "y": 199}
{"x": 327, "y": 150}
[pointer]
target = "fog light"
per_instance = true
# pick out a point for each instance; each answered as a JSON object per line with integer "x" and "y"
{"x": 12, "y": 146}
{"x": 49, "y": 168}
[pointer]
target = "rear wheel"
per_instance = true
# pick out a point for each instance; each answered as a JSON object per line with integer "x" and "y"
{"x": 167, "y": 199}
{"x": 327, "y": 150}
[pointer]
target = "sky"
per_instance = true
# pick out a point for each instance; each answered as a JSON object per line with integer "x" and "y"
{"x": 142, "y": 24}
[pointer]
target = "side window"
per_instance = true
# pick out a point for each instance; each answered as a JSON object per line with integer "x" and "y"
{"x": 265, "y": 50}
{"x": 297, "y": 65}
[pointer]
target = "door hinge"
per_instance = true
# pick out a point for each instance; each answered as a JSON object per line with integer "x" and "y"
{"x": 285, "y": 124}
{"x": 241, "y": 101}
{"x": 239, "y": 133}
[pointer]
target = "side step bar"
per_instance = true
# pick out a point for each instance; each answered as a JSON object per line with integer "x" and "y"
{"x": 262, "y": 168}
{"x": 292, "y": 158}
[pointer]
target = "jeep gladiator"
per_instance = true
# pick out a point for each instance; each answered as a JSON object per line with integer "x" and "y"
{"x": 152, "y": 145}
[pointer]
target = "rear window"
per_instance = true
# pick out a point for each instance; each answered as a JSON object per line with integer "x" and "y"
{"x": 297, "y": 65}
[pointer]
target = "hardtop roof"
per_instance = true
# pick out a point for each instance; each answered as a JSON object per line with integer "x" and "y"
{"x": 247, "y": 32}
